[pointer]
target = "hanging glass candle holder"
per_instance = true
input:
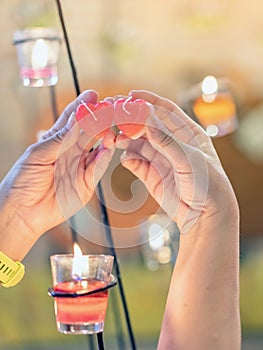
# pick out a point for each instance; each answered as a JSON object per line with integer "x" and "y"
{"x": 80, "y": 291}
{"x": 37, "y": 52}
{"x": 212, "y": 105}
{"x": 162, "y": 241}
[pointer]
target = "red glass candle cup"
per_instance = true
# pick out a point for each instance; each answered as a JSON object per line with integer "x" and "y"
{"x": 83, "y": 314}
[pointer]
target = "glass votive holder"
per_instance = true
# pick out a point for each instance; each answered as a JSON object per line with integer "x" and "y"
{"x": 212, "y": 105}
{"x": 37, "y": 51}
{"x": 216, "y": 111}
{"x": 80, "y": 291}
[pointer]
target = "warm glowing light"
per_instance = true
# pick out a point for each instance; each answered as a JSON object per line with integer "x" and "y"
{"x": 218, "y": 117}
{"x": 212, "y": 130}
{"x": 77, "y": 250}
{"x": 209, "y": 85}
{"x": 156, "y": 239}
{"x": 78, "y": 262}
{"x": 164, "y": 255}
{"x": 39, "y": 55}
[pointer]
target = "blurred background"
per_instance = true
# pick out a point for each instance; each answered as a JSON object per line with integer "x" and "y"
{"x": 169, "y": 48}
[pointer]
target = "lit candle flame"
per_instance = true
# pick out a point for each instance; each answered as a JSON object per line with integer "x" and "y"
{"x": 77, "y": 262}
{"x": 209, "y": 85}
{"x": 77, "y": 250}
{"x": 39, "y": 55}
{"x": 209, "y": 88}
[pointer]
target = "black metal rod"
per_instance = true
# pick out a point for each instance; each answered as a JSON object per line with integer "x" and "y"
{"x": 100, "y": 340}
{"x": 104, "y": 214}
{"x": 72, "y": 65}
{"x": 116, "y": 264}
{"x": 53, "y": 100}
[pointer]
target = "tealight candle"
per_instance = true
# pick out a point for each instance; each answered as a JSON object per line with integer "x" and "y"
{"x": 211, "y": 104}
{"x": 218, "y": 116}
{"x": 74, "y": 277}
{"x": 37, "y": 51}
{"x": 79, "y": 262}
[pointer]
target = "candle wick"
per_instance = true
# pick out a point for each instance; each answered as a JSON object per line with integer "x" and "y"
{"x": 76, "y": 277}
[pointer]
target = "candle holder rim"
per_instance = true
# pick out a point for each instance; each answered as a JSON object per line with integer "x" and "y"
{"x": 21, "y": 36}
{"x": 22, "y": 41}
{"x": 71, "y": 255}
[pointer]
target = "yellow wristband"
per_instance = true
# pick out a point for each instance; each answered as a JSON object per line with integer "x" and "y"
{"x": 11, "y": 272}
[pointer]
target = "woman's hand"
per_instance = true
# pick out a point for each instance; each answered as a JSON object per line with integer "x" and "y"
{"x": 178, "y": 164}
{"x": 56, "y": 176}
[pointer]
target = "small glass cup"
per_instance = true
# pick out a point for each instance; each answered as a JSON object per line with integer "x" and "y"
{"x": 212, "y": 105}
{"x": 80, "y": 292}
{"x": 37, "y": 51}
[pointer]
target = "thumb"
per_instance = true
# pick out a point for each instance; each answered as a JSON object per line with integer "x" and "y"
{"x": 50, "y": 147}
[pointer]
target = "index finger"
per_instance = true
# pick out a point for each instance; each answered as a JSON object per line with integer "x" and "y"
{"x": 174, "y": 118}
{"x": 162, "y": 102}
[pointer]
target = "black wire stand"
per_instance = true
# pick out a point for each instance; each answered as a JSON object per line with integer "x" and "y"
{"x": 104, "y": 214}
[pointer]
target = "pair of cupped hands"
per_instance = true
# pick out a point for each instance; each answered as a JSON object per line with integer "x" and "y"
{"x": 174, "y": 158}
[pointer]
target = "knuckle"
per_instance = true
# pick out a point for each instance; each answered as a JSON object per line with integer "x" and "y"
{"x": 165, "y": 139}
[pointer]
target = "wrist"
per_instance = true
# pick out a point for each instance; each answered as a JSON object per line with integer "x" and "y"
{"x": 16, "y": 237}
{"x": 212, "y": 242}
{"x": 220, "y": 212}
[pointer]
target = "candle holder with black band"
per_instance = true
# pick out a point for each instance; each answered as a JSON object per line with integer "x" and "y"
{"x": 80, "y": 290}
{"x": 211, "y": 104}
